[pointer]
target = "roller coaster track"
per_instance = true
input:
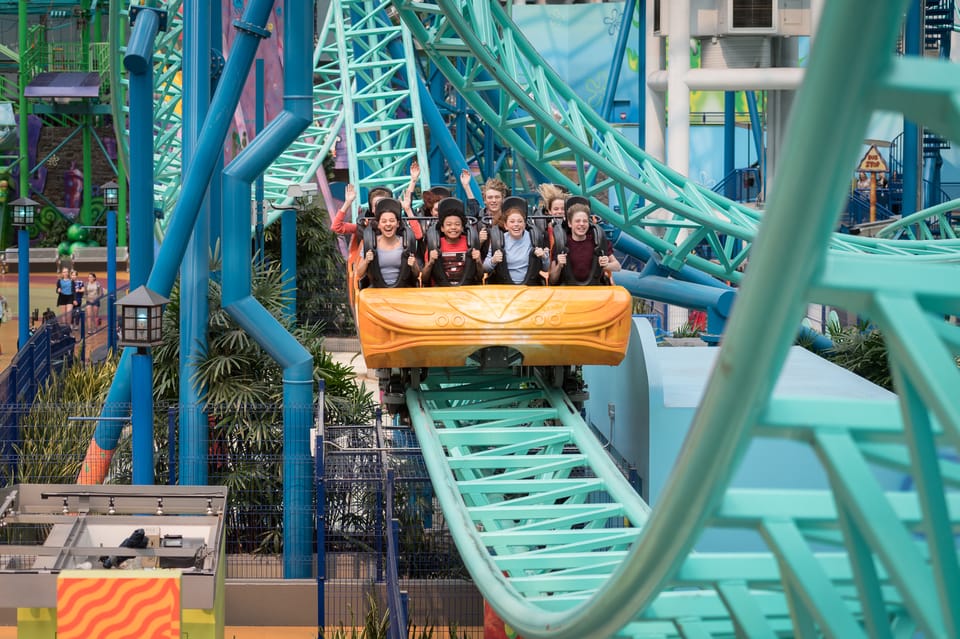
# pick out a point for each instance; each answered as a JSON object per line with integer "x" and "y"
{"x": 380, "y": 99}
{"x": 299, "y": 162}
{"x": 936, "y": 222}
{"x": 499, "y": 73}
{"x": 553, "y": 537}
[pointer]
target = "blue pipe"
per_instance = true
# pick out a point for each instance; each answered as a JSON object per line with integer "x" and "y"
{"x": 613, "y": 80}
{"x": 441, "y": 138}
{"x": 142, "y": 418}
{"x": 288, "y": 260}
{"x": 238, "y": 302}
{"x": 209, "y": 152}
{"x": 195, "y": 270}
{"x": 23, "y": 287}
{"x": 931, "y": 179}
{"x": 911, "y": 132}
{"x": 729, "y": 141}
{"x": 642, "y": 85}
{"x": 139, "y": 62}
{"x": 671, "y": 291}
{"x": 111, "y": 280}
{"x": 718, "y": 303}
{"x": 321, "y": 516}
{"x": 436, "y": 84}
{"x": 260, "y": 246}
{"x": 756, "y": 128}
{"x": 637, "y": 249}
{"x": 214, "y": 192}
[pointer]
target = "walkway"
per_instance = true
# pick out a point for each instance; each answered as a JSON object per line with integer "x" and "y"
{"x": 43, "y": 295}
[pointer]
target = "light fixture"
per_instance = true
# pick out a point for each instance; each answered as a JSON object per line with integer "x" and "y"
{"x": 141, "y": 318}
{"x": 111, "y": 194}
{"x": 23, "y": 210}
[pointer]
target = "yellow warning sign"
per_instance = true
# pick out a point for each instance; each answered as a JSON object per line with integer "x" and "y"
{"x": 873, "y": 162}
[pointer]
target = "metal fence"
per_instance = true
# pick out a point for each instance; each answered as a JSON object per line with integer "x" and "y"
{"x": 366, "y": 472}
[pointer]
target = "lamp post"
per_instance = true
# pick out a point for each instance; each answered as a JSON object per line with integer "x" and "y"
{"x": 23, "y": 209}
{"x": 111, "y": 199}
{"x": 141, "y": 323}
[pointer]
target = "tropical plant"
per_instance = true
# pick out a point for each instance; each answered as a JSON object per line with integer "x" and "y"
{"x": 52, "y": 446}
{"x": 245, "y": 413}
{"x": 686, "y": 329}
{"x": 376, "y": 625}
{"x": 236, "y": 372}
{"x": 321, "y": 272}
{"x": 861, "y": 350}
{"x": 244, "y": 394}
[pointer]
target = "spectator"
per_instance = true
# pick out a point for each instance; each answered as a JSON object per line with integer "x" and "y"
{"x": 93, "y": 291}
{"x": 65, "y": 293}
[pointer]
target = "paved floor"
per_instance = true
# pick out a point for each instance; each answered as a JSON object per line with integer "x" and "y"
{"x": 43, "y": 295}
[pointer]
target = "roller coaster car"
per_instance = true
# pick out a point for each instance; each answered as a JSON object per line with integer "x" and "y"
{"x": 495, "y": 326}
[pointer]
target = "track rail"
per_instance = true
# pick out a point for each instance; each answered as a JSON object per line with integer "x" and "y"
{"x": 851, "y": 561}
{"x": 502, "y": 77}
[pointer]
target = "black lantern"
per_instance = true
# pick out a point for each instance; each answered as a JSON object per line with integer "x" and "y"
{"x": 23, "y": 209}
{"x": 141, "y": 318}
{"x": 111, "y": 194}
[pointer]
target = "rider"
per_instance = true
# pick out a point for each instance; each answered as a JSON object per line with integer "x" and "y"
{"x": 453, "y": 258}
{"x": 389, "y": 259}
{"x": 583, "y": 254}
{"x": 517, "y": 256}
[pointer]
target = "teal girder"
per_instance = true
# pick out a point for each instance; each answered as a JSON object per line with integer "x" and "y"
{"x": 941, "y": 221}
{"x": 555, "y": 540}
{"x": 469, "y": 40}
{"x": 381, "y": 104}
{"x": 301, "y": 161}
{"x": 298, "y": 163}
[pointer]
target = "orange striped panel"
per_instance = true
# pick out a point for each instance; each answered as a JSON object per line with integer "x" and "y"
{"x": 134, "y": 604}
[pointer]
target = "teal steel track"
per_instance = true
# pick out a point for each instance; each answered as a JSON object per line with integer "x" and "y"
{"x": 298, "y": 163}
{"x": 554, "y": 539}
{"x": 940, "y": 221}
{"x": 502, "y": 77}
{"x": 301, "y": 161}
{"x": 381, "y": 103}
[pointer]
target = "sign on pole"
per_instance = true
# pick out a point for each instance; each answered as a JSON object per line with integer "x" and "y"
{"x": 873, "y": 162}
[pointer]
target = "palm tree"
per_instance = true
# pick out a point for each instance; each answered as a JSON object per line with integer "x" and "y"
{"x": 244, "y": 406}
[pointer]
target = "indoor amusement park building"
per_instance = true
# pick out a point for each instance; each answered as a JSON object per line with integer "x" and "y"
{"x": 763, "y": 164}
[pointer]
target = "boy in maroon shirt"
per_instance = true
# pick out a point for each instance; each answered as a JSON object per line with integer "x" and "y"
{"x": 587, "y": 258}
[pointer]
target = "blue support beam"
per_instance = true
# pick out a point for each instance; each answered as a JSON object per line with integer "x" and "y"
{"x": 911, "y": 132}
{"x": 250, "y": 315}
{"x": 251, "y": 29}
{"x": 195, "y": 269}
{"x": 23, "y": 287}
